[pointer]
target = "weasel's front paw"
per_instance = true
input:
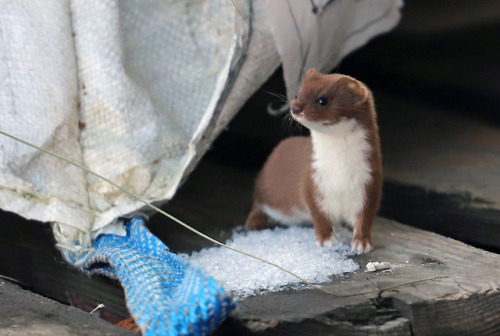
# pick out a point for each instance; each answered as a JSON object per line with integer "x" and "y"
{"x": 361, "y": 245}
{"x": 327, "y": 241}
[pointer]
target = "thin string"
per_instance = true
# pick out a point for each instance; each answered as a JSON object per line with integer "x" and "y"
{"x": 239, "y": 12}
{"x": 164, "y": 213}
{"x": 178, "y": 221}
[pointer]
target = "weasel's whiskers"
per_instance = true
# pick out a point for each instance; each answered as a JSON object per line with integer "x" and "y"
{"x": 280, "y": 96}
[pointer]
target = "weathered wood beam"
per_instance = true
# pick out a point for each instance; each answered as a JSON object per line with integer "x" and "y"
{"x": 466, "y": 302}
{"x": 441, "y": 171}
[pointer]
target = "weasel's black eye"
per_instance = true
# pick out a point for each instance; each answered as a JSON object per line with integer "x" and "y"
{"x": 322, "y": 101}
{"x": 296, "y": 95}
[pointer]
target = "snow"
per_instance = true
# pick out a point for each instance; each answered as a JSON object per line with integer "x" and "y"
{"x": 374, "y": 266}
{"x": 293, "y": 248}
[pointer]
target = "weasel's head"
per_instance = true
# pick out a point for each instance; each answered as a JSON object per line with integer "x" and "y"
{"x": 326, "y": 102}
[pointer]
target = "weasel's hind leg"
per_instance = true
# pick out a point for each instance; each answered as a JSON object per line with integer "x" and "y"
{"x": 257, "y": 219}
{"x": 361, "y": 240}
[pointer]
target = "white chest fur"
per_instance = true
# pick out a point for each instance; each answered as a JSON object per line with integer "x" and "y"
{"x": 341, "y": 169}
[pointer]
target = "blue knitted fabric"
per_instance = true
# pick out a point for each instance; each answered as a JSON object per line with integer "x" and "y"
{"x": 164, "y": 294}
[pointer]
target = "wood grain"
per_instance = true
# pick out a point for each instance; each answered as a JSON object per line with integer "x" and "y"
{"x": 467, "y": 302}
{"x": 28, "y": 255}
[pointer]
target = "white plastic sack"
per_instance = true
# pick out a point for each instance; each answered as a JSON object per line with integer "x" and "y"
{"x": 137, "y": 90}
{"x": 319, "y": 33}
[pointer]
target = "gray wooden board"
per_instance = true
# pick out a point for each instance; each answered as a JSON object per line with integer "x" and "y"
{"x": 440, "y": 150}
{"x": 28, "y": 255}
{"x": 25, "y": 313}
{"x": 441, "y": 171}
{"x": 467, "y": 302}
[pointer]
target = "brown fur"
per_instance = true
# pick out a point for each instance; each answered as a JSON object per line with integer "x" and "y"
{"x": 286, "y": 183}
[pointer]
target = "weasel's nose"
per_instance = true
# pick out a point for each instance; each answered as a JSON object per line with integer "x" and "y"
{"x": 295, "y": 109}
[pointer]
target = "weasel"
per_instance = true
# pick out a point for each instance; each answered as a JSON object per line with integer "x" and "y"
{"x": 332, "y": 177}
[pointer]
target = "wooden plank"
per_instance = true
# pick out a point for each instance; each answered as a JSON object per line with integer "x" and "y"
{"x": 467, "y": 302}
{"x": 28, "y": 255}
{"x": 25, "y": 313}
{"x": 441, "y": 172}
{"x": 453, "y": 215}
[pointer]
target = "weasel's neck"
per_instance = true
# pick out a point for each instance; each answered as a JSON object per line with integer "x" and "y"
{"x": 346, "y": 135}
{"x": 346, "y": 148}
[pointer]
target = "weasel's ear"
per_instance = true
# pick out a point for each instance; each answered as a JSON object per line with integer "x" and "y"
{"x": 358, "y": 90}
{"x": 313, "y": 73}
